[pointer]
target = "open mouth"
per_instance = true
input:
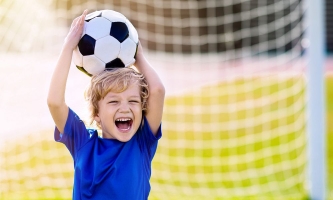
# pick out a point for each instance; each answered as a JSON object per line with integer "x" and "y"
{"x": 124, "y": 124}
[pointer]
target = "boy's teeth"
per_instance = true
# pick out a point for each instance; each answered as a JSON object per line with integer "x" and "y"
{"x": 124, "y": 119}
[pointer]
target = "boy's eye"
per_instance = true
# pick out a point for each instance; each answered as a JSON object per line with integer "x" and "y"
{"x": 113, "y": 102}
{"x": 134, "y": 101}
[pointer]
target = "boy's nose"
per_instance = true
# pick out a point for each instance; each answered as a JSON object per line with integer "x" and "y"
{"x": 124, "y": 108}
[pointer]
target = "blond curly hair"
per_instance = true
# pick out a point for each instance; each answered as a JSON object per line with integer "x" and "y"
{"x": 115, "y": 80}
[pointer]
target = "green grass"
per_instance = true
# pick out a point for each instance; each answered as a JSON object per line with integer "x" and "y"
{"x": 329, "y": 138}
{"x": 39, "y": 168}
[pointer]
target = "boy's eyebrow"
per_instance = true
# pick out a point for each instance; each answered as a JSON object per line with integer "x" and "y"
{"x": 110, "y": 96}
{"x": 115, "y": 96}
{"x": 136, "y": 96}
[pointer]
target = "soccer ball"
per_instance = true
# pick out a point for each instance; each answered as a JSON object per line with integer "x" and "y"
{"x": 109, "y": 40}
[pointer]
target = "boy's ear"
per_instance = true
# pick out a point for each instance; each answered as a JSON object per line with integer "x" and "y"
{"x": 97, "y": 119}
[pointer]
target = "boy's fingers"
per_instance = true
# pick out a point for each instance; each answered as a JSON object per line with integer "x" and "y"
{"x": 75, "y": 21}
{"x": 84, "y": 14}
{"x": 80, "y": 18}
{"x": 78, "y": 22}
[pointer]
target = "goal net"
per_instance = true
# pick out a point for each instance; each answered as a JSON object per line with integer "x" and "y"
{"x": 234, "y": 123}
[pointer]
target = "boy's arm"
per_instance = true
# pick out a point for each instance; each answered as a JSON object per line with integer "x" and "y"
{"x": 56, "y": 95}
{"x": 156, "y": 91}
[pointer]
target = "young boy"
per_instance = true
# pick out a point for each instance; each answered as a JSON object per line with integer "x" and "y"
{"x": 118, "y": 164}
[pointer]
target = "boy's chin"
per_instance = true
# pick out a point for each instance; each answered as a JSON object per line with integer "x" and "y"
{"x": 122, "y": 135}
{"x": 126, "y": 138}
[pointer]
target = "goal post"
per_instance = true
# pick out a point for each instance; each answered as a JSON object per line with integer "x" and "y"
{"x": 316, "y": 99}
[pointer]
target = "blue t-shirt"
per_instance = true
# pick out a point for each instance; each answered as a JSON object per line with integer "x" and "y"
{"x": 108, "y": 168}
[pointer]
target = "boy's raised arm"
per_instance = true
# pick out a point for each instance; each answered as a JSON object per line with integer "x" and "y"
{"x": 56, "y": 95}
{"x": 156, "y": 91}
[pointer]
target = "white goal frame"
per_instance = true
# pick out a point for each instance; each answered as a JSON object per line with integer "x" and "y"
{"x": 316, "y": 99}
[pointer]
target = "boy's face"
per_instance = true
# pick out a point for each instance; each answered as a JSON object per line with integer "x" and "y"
{"x": 120, "y": 114}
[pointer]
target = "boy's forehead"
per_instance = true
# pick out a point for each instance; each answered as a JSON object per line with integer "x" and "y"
{"x": 132, "y": 90}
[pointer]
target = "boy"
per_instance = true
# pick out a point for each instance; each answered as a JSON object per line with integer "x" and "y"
{"x": 118, "y": 164}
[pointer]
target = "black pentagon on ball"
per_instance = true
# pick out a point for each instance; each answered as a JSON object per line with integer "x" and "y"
{"x": 116, "y": 63}
{"x": 87, "y": 45}
{"x": 119, "y": 30}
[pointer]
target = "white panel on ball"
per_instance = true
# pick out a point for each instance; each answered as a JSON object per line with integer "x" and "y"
{"x": 133, "y": 33}
{"x": 113, "y": 16}
{"x": 107, "y": 48}
{"x": 93, "y": 65}
{"x": 77, "y": 57}
{"x": 98, "y": 27}
{"x": 92, "y": 15}
{"x": 128, "y": 48}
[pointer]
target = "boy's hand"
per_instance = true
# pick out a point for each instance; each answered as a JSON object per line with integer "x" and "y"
{"x": 75, "y": 32}
{"x": 139, "y": 53}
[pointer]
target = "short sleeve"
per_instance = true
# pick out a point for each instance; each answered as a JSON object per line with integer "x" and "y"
{"x": 147, "y": 139}
{"x": 149, "y": 132}
{"x": 75, "y": 134}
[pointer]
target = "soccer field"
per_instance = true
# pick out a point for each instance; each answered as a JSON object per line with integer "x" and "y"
{"x": 198, "y": 156}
